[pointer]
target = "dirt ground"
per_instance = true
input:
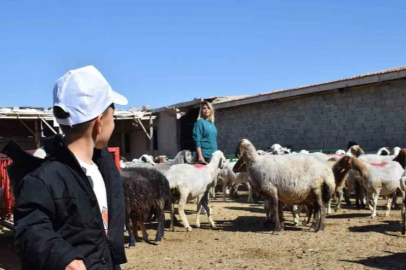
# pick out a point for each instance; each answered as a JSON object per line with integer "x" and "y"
{"x": 351, "y": 240}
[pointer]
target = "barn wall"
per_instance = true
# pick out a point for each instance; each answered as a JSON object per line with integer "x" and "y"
{"x": 373, "y": 116}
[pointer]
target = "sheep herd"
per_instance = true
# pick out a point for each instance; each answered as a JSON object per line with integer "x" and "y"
{"x": 281, "y": 177}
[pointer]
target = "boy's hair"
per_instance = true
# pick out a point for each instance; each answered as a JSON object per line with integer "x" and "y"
{"x": 75, "y": 129}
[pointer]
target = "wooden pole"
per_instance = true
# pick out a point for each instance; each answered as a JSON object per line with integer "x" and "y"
{"x": 122, "y": 137}
{"x": 48, "y": 125}
{"x": 151, "y": 136}
{"x": 37, "y": 134}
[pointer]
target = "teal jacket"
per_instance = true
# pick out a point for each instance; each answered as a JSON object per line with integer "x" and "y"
{"x": 205, "y": 137}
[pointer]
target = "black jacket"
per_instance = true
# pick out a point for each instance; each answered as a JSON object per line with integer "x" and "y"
{"x": 57, "y": 217}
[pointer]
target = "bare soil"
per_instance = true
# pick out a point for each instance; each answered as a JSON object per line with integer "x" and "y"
{"x": 352, "y": 240}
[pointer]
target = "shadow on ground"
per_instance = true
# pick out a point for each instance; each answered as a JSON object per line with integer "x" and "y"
{"x": 393, "y": 261}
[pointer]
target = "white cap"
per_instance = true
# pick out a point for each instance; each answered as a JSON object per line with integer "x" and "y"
{"x": 85, "y": 94}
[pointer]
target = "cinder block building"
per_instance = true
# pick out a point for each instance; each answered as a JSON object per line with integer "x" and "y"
{"x": 369, "y": 109}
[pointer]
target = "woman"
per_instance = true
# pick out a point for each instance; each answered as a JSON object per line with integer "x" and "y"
{"x": 205, "y": 133}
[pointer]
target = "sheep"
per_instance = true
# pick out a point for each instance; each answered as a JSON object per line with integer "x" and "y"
{"x": 145, "y": 160}
{"x": 403, "y": 212}
{"x": 161, "y": 159}
{"x": 277, "y": 149}
{"x": 228, "y": 176}
{"x": 340, "y": 152}
{"x": 351, "y": 182}
{"x": 396, "y": 150}
{"x": 292, "y": 179}
{"x": 376, "y": 178}
{"x": 195, "y": 181}
{"x": 355, "y": 150}
{"x": 145, "y": 190}
{"x": 303, "y": 152}
{"x": 183, "y": 157}
{"x": 347, "y": 178}
{"x": 384, "y": 151}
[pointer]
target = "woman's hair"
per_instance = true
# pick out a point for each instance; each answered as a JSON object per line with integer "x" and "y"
{"x": 208, "y": 104}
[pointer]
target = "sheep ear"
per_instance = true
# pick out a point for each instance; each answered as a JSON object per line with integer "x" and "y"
{"x": 240, "y": 166}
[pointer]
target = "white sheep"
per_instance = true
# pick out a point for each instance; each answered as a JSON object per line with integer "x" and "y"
{"x": 195, "y": 181}
{"x": 396, "y": 150}
{"x": 228, "y": 176}
{"x": 277, "y": 149}
{"x": 384, "y": 151}
{"x": 144, "y": 161}
{"x": 376, "y": 178}
{"x": 291, "y": 179}
{"x": 340, "y": 152}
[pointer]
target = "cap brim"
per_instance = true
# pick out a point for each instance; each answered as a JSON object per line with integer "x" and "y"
{"x": 119, "y": 99}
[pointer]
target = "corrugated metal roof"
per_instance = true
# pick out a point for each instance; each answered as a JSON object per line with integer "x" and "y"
{"x": 403, "y": 68}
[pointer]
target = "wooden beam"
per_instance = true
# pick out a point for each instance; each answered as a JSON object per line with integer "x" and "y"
{"x": 137, "y": 120}
{"x": 48, "y": 125}
{"x": 22, "y": 122}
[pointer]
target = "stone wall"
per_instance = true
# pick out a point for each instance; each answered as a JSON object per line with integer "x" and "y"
{"x": 372, "y": 115}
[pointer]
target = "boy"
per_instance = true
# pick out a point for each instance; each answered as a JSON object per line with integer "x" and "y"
{"x": 69, "y": 212}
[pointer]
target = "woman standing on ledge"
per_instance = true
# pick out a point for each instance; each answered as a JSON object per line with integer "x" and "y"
{"x": 205, "y": 133}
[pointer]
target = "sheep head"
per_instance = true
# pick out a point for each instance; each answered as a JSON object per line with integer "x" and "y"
{"x": 355, "y": 150}
{"x": 161, "y": 159}
{"x": 188, "y": 158}
{"x": 240, "y": 166}
{"x": 341, "y": 168}
{"x": 147, "y": 159}
{"x": 396, "y": 150}
{"x": 384, "y": 151}
{"x": 245, "y": 147}
{"x": 218, "y": 155}
{"x": 401, "y": 158}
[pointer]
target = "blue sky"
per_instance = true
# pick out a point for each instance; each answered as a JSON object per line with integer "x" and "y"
{"x": 162, "y": 52}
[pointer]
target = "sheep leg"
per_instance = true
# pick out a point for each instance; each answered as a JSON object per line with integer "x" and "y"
{"x": 314, "y": 209}
{"x": 143, "y": 229}
{"x": 130, "y": 232}
{"x": 171, "y": 226}
{"x": 403, "y": 228}
{"x": 374, "y": 203}
{"x": 225, "y": 183}
{"x": 277, "y": 226}
{"x": 199, "y": 207}
{"x": 181, "y": 209}
{"x": 295, "y": 214}
{"x": 322, "y": 214}
{"x": 389, "y": 204}
{"x": 280, "y": 214}
{"x": 206, "y": 206}
{"x": 329, "y": 207}
{"x": 368, "y": 201}
{"x": 160, "y": 230}
{"x": 309, "y": 213}
{"x": 268, "y": 214}
{"x": 249, "y": 192}
{"x": 347, "y": 193}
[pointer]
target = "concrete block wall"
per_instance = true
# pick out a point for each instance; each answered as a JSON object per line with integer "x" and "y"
{"x": 373, "y": 116}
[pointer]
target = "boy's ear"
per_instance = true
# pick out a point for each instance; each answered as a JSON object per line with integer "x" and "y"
{"x": 98, "y": 123}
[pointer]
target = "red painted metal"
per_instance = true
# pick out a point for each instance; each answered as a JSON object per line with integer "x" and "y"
{"x": 7, "y": 210}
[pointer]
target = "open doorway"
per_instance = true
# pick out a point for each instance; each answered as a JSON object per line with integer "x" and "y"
{"x": 186, "y": 130}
